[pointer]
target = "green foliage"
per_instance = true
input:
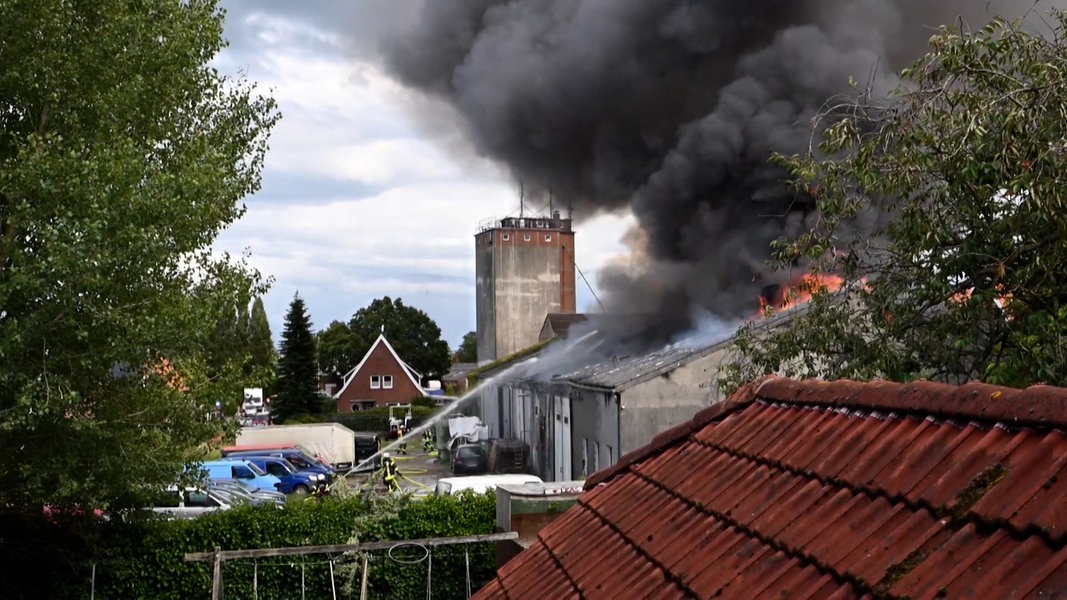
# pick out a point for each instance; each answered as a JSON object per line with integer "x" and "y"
{"x": 240, "y": 351}
{"x": 298, "y": 373}
{"x": 339, "y": 350}
{"x": 144, "y": 559}
{"x": 123, "y": 154}
{"x": 944, "y": 213}
{"x": 260, "y": 341}
{"x": 468, "y": 348}
{"x": 411, "y": 332}
{"x": 424, "y": 402}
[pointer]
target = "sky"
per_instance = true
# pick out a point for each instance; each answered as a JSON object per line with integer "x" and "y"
{"x": 363, "y": 195}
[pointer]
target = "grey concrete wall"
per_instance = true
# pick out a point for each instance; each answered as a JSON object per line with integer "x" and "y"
{"x": 484, "y": 299}
{"x": 527, "y": 287}
{"x": 594, "y": 431}
{"x": 667, "y": 400}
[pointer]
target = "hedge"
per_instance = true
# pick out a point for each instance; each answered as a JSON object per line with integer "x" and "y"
{"x": 377, "y": 419}
{"x": 144, "y": 558}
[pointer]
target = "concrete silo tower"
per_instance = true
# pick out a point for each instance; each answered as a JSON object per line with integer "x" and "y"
{"x": 525, "y": 270}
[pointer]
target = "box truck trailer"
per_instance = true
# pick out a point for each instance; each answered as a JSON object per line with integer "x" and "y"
{"x": 333, "y": 442}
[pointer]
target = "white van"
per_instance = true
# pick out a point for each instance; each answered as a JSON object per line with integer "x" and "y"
{"x": 480, "y": 484}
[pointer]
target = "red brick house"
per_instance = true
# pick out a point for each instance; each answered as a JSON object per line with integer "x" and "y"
{"x": 379, "y": 379}
{"x": 813, "y": 489}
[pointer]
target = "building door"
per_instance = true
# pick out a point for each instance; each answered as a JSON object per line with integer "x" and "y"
{"x": 519, "y": 410}
{"x": 561, "y": 429}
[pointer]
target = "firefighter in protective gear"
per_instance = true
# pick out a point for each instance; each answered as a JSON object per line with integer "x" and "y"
{"x": 427, "y": 441}
{"x": 388, "y": 467}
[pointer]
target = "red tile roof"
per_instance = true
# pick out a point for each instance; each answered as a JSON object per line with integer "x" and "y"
{"x": 809, "y": 489}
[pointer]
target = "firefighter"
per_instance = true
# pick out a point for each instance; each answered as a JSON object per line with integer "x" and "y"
{"x": 427, "y": 441}
{"x": 388, "y": 467}
{"x": 402, "y": 447}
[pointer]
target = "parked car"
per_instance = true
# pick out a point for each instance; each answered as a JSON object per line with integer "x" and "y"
{"x": 253, "y": 494}
{"x": 189, "y": 503}
{"x": 469, "y": 458}
{"x": 291, "y": 480}
{"x": 302, "y": 460}
{"x": 244, "y": 470}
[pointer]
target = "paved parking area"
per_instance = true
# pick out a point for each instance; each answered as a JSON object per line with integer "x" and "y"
{"x": 419, "y": 472}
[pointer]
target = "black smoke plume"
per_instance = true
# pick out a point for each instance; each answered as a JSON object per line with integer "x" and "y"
{"x": 670, "y": 108}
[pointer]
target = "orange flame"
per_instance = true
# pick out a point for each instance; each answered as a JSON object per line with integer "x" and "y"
{"x": 799, "y": 292}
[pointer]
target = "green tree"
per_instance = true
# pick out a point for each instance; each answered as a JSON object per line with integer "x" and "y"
{"x": 260, "y": 341}
{"x": 468, "y": 348}
{"x": 944, "y": 212}
{"x": 123, "y": 154}
{"x": 296, "y": 392}
{"x": 339, "y": 350}
{"x": 412, "y": 333}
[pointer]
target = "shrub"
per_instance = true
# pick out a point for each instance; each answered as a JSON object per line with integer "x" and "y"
{"x": 145, "y": 558}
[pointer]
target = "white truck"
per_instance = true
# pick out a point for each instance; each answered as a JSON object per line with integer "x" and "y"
{"x": 331, "y": 441}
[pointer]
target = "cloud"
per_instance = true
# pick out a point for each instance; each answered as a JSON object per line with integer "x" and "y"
{"x": 369, "y": 188}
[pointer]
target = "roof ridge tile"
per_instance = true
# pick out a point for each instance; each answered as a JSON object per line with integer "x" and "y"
{"x": 1039, "y": 405}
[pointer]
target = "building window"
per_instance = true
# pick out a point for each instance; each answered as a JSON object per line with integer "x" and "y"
{"x": 548, "y": 238}
{"x": 354, "y": 407}
{"x": 526, "y": 238}
{"x": 505, "y": 237}
{"x": 387, "y": 382}
{"x": 375, "y": 382}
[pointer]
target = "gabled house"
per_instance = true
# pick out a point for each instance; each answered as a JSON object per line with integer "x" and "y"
{"x": 812, "y": 489}
{"x": 381, "y": 378}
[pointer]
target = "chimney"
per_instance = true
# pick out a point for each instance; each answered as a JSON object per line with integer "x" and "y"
{"x": 526, "y": 508}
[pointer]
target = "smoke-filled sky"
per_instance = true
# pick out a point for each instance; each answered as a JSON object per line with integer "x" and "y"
{"x": 669, "y": 109}
{"x": 406, "y": 123}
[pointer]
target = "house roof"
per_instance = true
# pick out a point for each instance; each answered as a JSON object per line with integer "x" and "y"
{"x": 494, "y": 368}
{"x": 560, "y": 323}
{"x": 458, "y": 371}
{"x": 618, "y": 373}
{"x": 413, "y": 376}
{"x": 815, "y": 490}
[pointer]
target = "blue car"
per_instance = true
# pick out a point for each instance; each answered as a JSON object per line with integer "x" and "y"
{"x": 291, "y": 480}
{"x": 242, "y": 469}
{"x": 303, "y": 461}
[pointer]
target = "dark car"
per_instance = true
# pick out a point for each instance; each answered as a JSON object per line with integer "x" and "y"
{"x": 470, "y": 458}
